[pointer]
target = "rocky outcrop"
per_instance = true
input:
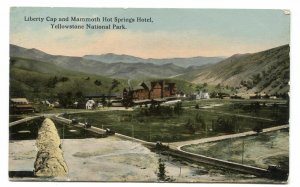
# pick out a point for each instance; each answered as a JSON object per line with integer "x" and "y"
{"x": 49, "y": 160}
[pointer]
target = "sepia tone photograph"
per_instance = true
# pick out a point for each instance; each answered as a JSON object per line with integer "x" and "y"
{"x": 149, "y": 95}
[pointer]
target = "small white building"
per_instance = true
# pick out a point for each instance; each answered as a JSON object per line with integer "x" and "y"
{"x": 201, "y": 95}
{"x": 204, "y": 95}
{"x": 181, "y": 95}
{"x": 46, "y": 102}
{"x": 90, "y": 104}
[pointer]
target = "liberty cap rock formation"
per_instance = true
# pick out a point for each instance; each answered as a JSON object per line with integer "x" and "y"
{"x": 49, "y": 160}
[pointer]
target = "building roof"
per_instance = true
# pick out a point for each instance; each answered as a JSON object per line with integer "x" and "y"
{"x": 138, "y": 88}
{"x": 19, "y": 100}
{"x": 147, "y": 84}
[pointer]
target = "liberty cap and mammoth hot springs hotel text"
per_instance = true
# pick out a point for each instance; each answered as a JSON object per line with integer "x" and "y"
{"x": 114, "y": 23}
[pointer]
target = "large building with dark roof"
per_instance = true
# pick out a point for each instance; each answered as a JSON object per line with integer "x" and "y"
{"x": 152, "y": 90}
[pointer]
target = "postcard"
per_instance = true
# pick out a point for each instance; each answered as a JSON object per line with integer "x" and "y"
{"x": 149, "y": 95}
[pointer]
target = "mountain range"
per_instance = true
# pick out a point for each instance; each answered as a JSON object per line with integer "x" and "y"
{"x": 125, "y": 70}
{"x": 266, "y": 71}
{"x": 181, "y": 62}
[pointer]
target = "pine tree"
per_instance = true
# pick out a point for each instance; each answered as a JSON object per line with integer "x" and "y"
{"x": 161, "y": 170}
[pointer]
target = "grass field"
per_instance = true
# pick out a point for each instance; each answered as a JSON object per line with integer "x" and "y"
{"x": 271, "y": 109}
{"x": 173, "y": 127}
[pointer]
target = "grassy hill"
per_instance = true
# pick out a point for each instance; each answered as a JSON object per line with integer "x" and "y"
{"x": 265, "y": 72}
{"x": 36, "y": 79}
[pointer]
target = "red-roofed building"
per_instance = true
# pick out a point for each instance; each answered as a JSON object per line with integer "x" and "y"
{"x": 154, "y": 90}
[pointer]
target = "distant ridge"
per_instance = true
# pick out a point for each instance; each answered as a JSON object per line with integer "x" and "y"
{"x": 182, "y": 62}
{"x": 122, "y": 70}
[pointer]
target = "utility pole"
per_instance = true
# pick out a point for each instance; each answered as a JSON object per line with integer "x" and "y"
{"x": 229, "y": 151}
{"x": 149, "y": 133}
{"x": 63, "y": 135}
{"x": 132, "y": 130}
{"x": 243, "y": 151}
{"x": 103, "y": 132}
{"x": 179, "y": 170}
{"x": 205, "y": 129}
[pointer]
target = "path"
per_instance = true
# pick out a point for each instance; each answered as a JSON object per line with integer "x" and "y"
{"x": 23, "y": 120}
{"x": 243, "y": 115}
{"x": 178, "y": 145}
{"x": 229, "y": 114}
{"x": 68, "y": 112}
{"x": 100, "y": 131}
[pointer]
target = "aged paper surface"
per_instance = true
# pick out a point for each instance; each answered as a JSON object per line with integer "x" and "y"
{"x": 149, "y": 95}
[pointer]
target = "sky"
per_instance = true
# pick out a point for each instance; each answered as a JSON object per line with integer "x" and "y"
{"x": 172, "y": 32}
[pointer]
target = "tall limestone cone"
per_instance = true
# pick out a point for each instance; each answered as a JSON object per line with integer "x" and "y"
{"x": 49, "y": 160}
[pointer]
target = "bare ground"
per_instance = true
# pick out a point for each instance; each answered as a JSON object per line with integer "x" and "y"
{"x": 114, "y": 159}
{"x": 261, "y": 150}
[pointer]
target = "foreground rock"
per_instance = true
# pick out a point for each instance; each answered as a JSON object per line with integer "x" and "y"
{"x": 49, "y": 160}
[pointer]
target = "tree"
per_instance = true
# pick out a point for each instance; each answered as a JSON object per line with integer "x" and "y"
{"x": 79, "y": 98}
{"x": 65, "y": 99}
{"x": 103, "y": 100}
{"x": 78, "y": 94}
{"x": 114, "y": 84}
{"x": 224, "y": 124}
{"x": 213, "y": 94}
{"x": 161, "y": 170}
{"x": 198, "y": 88}
{"x": 201, "y": 87}
{"x": 63, "y": 79}
{"x": 52, "y": 82}
{"x": 199, "y": 122}
{"x": 128, "y": 101}
{"x": 12, "y": 62}
{"x": 256, "y": 78}
{"x": 178, "y": 108}
{"x": 190, "y": 125}
{"x": 98, "y": 83}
